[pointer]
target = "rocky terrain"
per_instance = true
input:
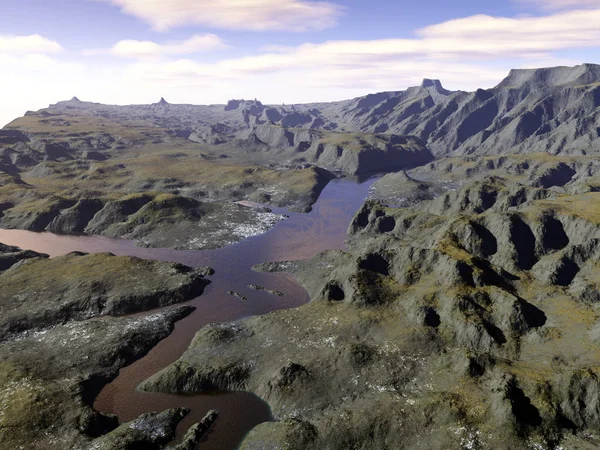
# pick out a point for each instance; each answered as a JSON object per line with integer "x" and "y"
{"x": 551, "y": 110}
{"x": 142, "y": 172}
{"x": 463, "y": 313}
{"x": 63, "y": 168}
{"x": 62, "y": 338}
{"x": 159, "y": 196}
{"x": 468, "y": 320}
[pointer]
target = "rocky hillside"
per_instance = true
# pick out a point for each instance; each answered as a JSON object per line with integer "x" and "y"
{"x": 348, "y": 153}
{"x": 63, "y": 336}
{"x": 531, "y": 110}
{"x": 171, "y": 175}
{"x": 466, "y": 321}
{"x": 552, "y": 110}
{"x": 60, "y": 166}
{"x": 75, "y": 130}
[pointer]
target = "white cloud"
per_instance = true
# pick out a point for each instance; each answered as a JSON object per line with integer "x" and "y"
{"x": 32, "y": 74}
{"x": 467, "y": 53}
{"x": 439, "y": 50}
{"x": 36, "y": 81}
{"x": 16, "y": 45}
{"x": 130, "y": 48}
{"x": 517, "y": 36}
{"x": 254, "y": 15}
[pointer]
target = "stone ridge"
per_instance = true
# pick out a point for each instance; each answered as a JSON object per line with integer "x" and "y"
{"x": 550, "y": 109}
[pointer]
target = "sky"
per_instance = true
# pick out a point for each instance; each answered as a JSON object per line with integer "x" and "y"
{"x": 279, "y": 51}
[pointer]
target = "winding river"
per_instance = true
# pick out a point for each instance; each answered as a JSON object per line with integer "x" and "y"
{"x": 299, "y": 237}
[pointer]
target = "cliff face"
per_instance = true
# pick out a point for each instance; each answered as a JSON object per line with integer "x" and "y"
{"x": 349, "y": 153}
{"x": 551, "y": 109}
{"x": 554, "y": 110}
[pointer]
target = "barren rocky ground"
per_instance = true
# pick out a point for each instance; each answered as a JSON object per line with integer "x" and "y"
{"x": 63, "y": 336}
{"x": 463, "y": 313}
{"x": 467, "y": 321}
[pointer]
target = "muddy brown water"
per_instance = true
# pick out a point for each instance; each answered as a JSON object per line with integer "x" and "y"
{"x": 298, "y": 237}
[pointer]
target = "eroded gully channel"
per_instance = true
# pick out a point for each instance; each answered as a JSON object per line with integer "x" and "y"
{"x": 299, "y": 237}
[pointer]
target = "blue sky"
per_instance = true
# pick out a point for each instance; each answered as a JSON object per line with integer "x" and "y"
{"x": 208, "y": 51}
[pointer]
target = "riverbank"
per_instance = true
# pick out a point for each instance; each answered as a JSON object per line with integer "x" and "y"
{"x": 300, "y": 236}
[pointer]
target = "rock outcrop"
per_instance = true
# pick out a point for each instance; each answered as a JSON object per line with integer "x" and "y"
{"x": 60, "y": 343}
{"x": 348, "y": 153}
{"x": 467, "y": 320}
{"x": 50, "y": 377}
{"x": 40, "y": 292}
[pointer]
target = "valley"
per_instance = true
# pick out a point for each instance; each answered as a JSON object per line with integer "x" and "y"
{"x": 436, "y": 251}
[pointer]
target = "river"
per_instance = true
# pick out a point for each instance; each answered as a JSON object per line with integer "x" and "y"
{"x": 298, "y": 237}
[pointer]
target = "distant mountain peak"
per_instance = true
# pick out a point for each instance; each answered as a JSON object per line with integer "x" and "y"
{"x": 236, "y": 103}
{"x": 428, "y": 82}
{"x": 162, "y": 102}
{"x": 75, "y": 99}
{"x": 434, "y": 85}
{"x": 552, "y": 76}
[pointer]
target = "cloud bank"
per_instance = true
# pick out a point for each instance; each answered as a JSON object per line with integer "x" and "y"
{"x": 17, "y": 45}
{"x": 131, "y": 48}
{"x": 253, "y": 15}
{"x": 463, "y": 49}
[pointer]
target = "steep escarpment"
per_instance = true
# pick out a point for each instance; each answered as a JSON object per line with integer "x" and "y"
{"x": 552, "y": 109}
{"x": 348, "y": 153}
{"x": 464, "y": 321}
{"x": 532, "y": 110}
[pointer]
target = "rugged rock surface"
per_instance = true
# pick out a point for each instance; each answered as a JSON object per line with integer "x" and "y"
{"x": 196, "y": 432}
{"x": 553, "y": 110}
{"x": 150, "y": 431}
{"x": 50, "y": 377}
{"x": 466, "y": 321}
{"x": 97, "y": 172}
{"x": 152, "y": 220}
{"x": 278, "y": 154}
{"x": 173, "y": 221}
{"x": 59, "y": 346}
{"x": 10, "y": 255}
{"x": 349, "y": 153}
{"x": 400, "y": 189}
{"x": 42, "y": 292}
{"x": 531, "y": 110}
